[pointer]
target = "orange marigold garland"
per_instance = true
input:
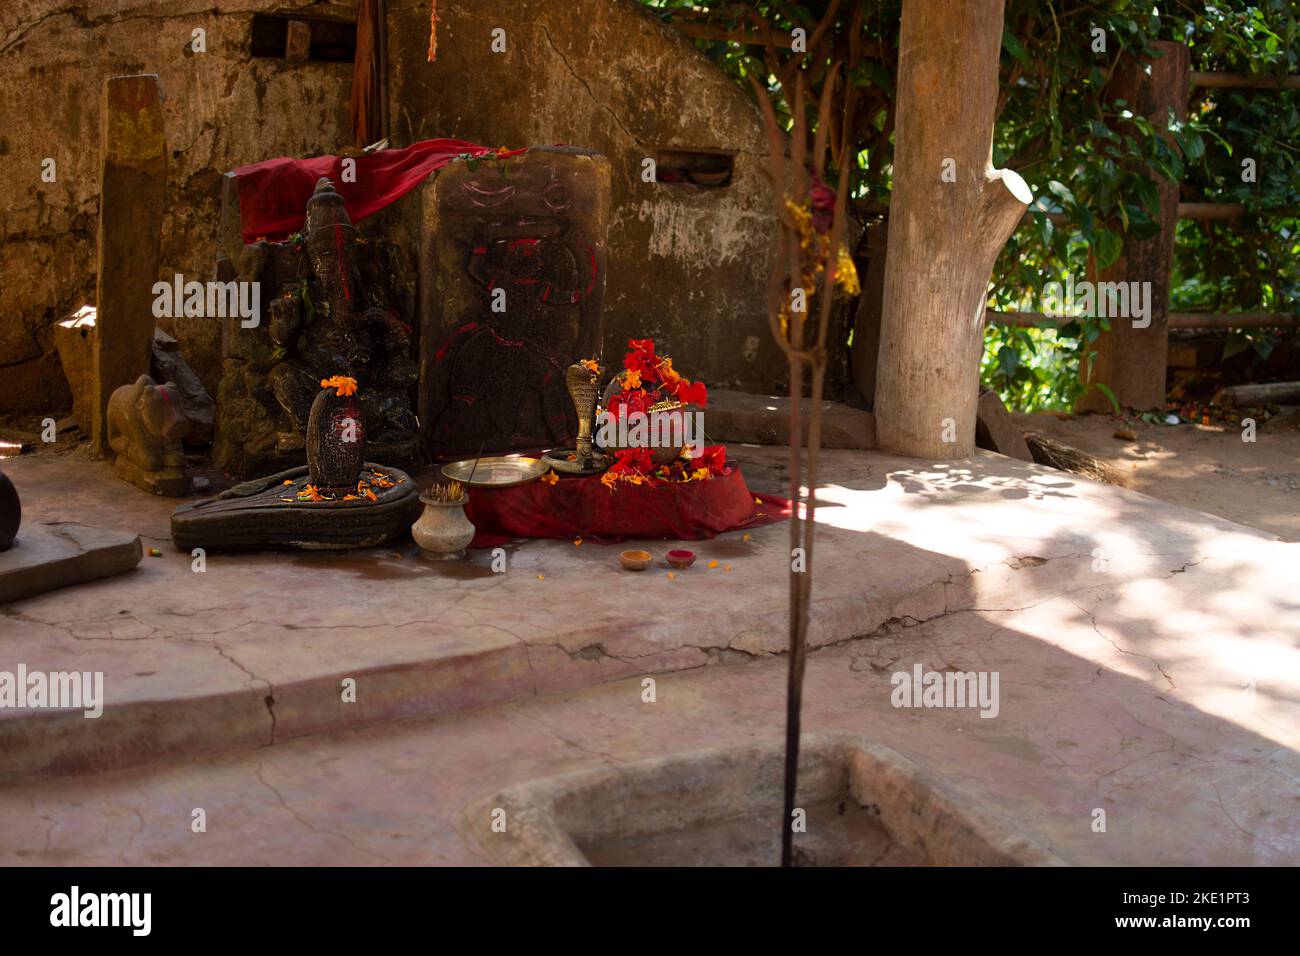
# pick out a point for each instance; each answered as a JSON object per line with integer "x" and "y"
{"x": 635, "y": 467}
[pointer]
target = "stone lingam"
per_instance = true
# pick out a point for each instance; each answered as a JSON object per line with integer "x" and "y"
{"x": 336, "y": 502}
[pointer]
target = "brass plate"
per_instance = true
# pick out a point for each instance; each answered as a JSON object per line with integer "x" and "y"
{"x": 503, "y": 472}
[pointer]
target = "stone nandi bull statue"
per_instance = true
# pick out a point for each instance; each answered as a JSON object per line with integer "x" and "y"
{"x": 145, "y": 428}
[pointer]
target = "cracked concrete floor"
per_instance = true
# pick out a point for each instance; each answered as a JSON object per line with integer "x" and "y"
{"x": 1149, "y": 662}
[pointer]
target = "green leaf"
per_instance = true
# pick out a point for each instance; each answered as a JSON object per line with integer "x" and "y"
{"x": 1110, "y": 396}
{"x": 1106, "y": 246}
{"x": 1008, "y": 361}
{"x": 1015, "y": 48}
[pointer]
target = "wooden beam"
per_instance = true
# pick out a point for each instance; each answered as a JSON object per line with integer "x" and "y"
{"x": 1186, "y": 210}
{"x": 1233, "y": 320}
{"x": 1242, "y": 81}
{"x": 1177, "y": 320}
{"x": 1211, "y": 210}
{"x": 1281, "y": 392}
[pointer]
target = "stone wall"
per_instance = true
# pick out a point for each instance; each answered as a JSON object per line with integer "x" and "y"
{"x": 223, "y": 108}
{"x": 687, "y": 264}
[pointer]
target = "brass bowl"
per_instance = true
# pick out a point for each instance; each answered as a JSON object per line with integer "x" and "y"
{"x": 635, "y": 560}
{"x": 505, "y": 471}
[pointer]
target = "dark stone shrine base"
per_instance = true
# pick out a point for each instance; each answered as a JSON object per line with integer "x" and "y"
{"x": 254, "y": 516}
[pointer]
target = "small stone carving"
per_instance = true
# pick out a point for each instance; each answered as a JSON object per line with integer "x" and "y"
{"x": 145, "y": 428}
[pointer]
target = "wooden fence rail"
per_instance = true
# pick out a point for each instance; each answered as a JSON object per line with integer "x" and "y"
{"x": 1177, "y": 320}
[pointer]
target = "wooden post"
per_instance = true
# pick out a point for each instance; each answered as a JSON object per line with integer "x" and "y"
{"x": 1131, "y": 360}
{"x": 950, "y": 215}
{"x": 133, "y": 181}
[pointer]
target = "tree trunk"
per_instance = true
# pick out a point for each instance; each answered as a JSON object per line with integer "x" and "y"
{"x": 950, "y": 214}
{"x": 1132, "y": 360}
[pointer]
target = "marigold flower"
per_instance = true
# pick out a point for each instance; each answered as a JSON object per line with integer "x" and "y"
{"x": 550, "y": 477}
{"x": 846, "y": 273}
{"x": 343, "y": 385}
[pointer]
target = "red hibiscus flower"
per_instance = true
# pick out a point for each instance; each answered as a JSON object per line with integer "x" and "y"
{"x": 641, "y": 358}
{"x": 713, "y": 457}
{"x": 632, "y": 460}
{"x": 692, "y": 393}
{"x": 628, "y": 400}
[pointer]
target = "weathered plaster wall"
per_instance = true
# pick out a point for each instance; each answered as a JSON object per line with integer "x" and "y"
{"x": 223, "y": 108}
{"x": 687, "y": 266}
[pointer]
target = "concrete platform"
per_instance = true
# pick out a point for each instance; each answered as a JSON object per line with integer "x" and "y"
{"x": 1149, "y": 663}
{"x": 256, "y": 649}
{"x": 1107, "y": 703}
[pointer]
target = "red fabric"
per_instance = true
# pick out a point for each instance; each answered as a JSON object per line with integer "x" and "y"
{"x": 273, "y": 194}
{"x": 583, "y": 507}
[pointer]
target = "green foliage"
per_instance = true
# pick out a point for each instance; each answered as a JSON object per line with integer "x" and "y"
{"x": 1090, "y": 160}
{"x": 1058, "y": 126}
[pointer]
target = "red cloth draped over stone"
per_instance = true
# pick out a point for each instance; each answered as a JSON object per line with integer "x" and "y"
{"x": 273, "y": 194}
{"x": 583, "y": 507}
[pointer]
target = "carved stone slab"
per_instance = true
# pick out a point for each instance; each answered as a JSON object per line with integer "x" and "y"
{"x": 512, "y": 281}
